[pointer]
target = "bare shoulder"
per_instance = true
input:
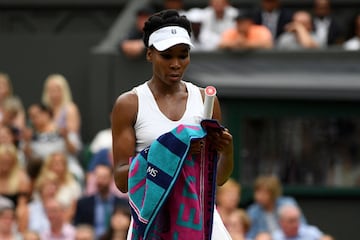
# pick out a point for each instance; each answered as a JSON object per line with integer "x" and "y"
{"x": 126, "y": 106}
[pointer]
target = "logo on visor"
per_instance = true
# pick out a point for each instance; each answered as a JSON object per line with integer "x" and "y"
{"x": 173, "y": 31}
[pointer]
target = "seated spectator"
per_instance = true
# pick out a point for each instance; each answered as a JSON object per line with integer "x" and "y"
{"x": 69, "y": 189}
{"x": 14, "y": 181}
{"x": 273, "y": 16}
{"x": 44, "y": 139}
{"x": 238, "y": 224}
{"x": 102, "y": 157}
{"x": 57, "y": 96}
{"x": 195, "y": 16}
{"x": 353, "y": 41}
{"x": 96, "y": 209}
{"x": 326, "y": 27}
{"x": 133, "y": 45}
{"x": 102, "y": 140}
{"x": 268, "y": 199}
{"x": 246, "y": 35}
{"x": 8, "y": 220}
{"x": 59, "y": 228}
{"x": 12, "y": 110}
{"x": 228, "y": 199}
{"x": 299, "y": 33}
{"x": 218, "y": 17}
{"x": 291, "y": 226}
{"x": 6, "y": 91}
{"x": 46, "y": 187}
{"x": 119, "y": 224}
{"x": 9, "y": 135}
{"x": 85, "y": 232}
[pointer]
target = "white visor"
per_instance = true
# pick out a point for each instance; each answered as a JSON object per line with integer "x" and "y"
{"x": 167, "y": 37}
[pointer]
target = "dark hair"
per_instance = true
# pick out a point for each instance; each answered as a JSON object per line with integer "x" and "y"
{"x": 163, "y": 19}
{"x": 43, "y": 108}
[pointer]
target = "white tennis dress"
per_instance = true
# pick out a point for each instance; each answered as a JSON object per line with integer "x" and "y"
{"x": 151, "y": 123}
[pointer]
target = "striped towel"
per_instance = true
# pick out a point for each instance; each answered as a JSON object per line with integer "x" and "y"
{"x": 171, "y": 192}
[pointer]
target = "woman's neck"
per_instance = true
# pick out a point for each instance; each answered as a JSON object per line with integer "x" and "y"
{"x": 158, "y": 88}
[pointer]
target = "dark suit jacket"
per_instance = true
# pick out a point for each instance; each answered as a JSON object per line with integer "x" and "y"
{"x": 85, "y": 209}
{"x": 335, "y": 35}
{"x": 284, "y": 18}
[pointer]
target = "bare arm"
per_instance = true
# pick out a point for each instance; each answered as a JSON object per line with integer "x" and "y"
{"x": 122, "y": 123}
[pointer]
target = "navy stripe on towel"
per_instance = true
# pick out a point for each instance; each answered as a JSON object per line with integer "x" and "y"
{"x": 172, "y": 143}
{"x": 158, "y": 176}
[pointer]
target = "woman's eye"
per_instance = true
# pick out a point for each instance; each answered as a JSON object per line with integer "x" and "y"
{"x": 166, "y": 56}
{"x": 184, "y": 56}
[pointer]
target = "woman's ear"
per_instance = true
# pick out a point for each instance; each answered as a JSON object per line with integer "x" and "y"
{"x": 148, "y": 54}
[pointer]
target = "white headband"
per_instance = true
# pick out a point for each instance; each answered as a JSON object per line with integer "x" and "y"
{"x": 167, "y": 37}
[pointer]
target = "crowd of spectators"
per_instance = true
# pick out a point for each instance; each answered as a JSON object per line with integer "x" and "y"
{"x": 220, "y": 25}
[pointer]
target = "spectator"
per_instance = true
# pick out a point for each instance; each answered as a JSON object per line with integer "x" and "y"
{"x": 96, "y": 209}
{"x": 299, "y": 33}
{"x": 268, "y": 199}
{"x": 46, "y": 187}
{"x": 273, "y": 16}
{"x": 57, "y": 96}
{"x": 228, "y": 199}
{"x": 218, "y": 17}
{"x": 195, "y": 16}
{"x": 14, "y": 182}
{"x": 8, "y": 220}
{"x": 119, "y": 224}
{"x": 246, "y": 35}
{"x": 12, "y": 110}
{"x": 84, "y": 232}
{"x": 353, "y": 41}
{"x": 327, "y": 30}
{"x": 69, "y": 189}
{"x": 6, "y": 91}
{"x": 9, "y": 135}
{"x": 291, "y": 226}
{"x": 133, "y": 45}
{"x": 59, "y": 228}
{"x": 102, "y": 157}
{"x": 44, "y": 139}
{"x": 238, "y": 224}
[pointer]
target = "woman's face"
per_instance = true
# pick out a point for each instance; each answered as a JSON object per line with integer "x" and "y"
{"x": 263, "y": 196}
{"x": 55, "y": 92}
{"x": 7, "y": 162}
{"x": 49, "y": 189}
{"x": 38, "y": 117}
{"x": 57, "y": 164}
{"x": 6, "y": 137}
{"x": 169, "y": 66}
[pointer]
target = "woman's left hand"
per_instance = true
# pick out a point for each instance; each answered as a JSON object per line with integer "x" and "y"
{"x": 222, "y": 140}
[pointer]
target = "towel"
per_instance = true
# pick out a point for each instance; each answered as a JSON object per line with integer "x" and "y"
{"x": 171, "y": 192}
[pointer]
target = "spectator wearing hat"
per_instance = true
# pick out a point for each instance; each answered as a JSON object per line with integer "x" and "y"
{"x": 132, "y": 45}
{"x": 246, "y": 34}
{"x": 8, "y": 220}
